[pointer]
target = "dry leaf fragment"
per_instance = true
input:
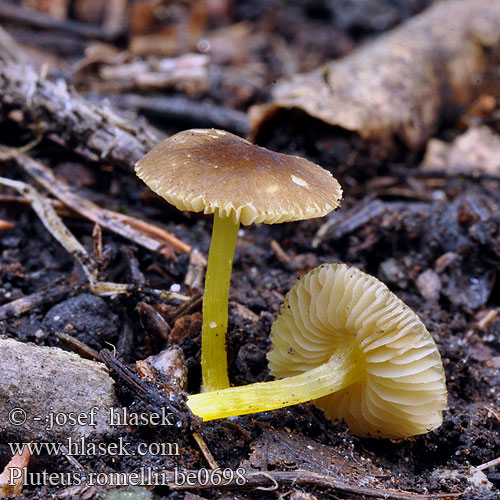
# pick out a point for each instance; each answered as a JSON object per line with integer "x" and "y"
{"x": 477, "y": 150}
{"x": 5, "y": 224}
{"x": 403, "y": 82}
{"x": 12, "y": 483}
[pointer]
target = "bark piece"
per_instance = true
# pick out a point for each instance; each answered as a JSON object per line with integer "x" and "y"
{"x": 403, "y": 82}
{"x": 42, "y": 381}
{"x": 279, "y": 449}
{"x": 51, "y": 107}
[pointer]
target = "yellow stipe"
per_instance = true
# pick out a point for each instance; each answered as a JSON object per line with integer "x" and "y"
{"x": 343, "y": 369}
{"x": 215, "y": 304}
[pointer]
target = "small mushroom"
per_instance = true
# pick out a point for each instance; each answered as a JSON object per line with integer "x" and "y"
{"x": 344, "y": 341}
{"x": 212, "y": 171}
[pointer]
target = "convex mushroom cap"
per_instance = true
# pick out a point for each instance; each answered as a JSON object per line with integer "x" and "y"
{"x": 401, "y": 388}
{"x": 208, "y": 170}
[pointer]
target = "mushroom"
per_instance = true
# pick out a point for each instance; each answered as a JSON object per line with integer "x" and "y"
{"x": 344, "y": 341}
{"x": 212, "y": 171}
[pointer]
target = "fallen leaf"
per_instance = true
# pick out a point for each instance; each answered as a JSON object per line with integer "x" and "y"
{"x": 10, "y": 483}
{"x": 401, "y": 84}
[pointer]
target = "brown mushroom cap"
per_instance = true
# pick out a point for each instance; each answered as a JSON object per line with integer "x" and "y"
{"x": 401, "y": 389}
{"x": 208, "y": 170}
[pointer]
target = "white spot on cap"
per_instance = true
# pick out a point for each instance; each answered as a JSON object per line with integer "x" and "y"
{"x": 213, "y": 324}
{"x": 299, "y": 181}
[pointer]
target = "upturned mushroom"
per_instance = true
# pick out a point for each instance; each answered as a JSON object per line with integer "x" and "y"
{"x": 344, "y": 341}
{"x": 213, "y": 171}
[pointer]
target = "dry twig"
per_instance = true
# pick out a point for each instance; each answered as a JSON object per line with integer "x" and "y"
{"x": 204, "y": 114}
{"x": 25, "y": 304}
{"x": 260, "y": 480}
{"x": 207, "y": 454}
{"x": 487, "y": 465}
{"x": 40, "y": 20}
{"x": 63, "y": 235}
{"x": 136, "y": 230}
{"x": 68, "y": 119}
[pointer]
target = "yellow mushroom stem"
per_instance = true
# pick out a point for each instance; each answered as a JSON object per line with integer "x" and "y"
{"x": 345, "y": 367}
{"x": 215, "y": 303}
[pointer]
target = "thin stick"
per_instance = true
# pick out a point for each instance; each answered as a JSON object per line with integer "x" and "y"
{"x": 136, "y": 230}
{"x": 182, "y": 108}
{"x": 5, "y": 224}
{"x": 489, "y": 464}
{"x": 258, "y": 479}
{"x": 41, "y": 20}
{"x": 53, "y": 223}
{"x": 207, "y": 454}
{"x": 63, "y": 235}
{"x": 24, "y": 304}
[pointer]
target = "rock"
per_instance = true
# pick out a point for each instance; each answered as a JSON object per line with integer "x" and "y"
{"x": 476, "y": 479}
{"x": 429, "y": 285}
{"x": 86, "y": 317}
{"x": 38, "y": 382}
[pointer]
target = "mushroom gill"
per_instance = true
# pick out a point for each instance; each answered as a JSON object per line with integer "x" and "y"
{"x": 344, "y": 341}
{"x": 401, "y": 390}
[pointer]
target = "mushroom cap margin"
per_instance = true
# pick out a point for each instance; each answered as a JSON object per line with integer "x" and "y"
{"x": 209, "y": 170}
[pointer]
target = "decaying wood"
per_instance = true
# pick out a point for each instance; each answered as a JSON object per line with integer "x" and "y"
{"x": 152, "y": 320}
{"x": 196, "y": 270}
{"x": 79, "y": 347}
{"x": 41, "y": 20}
{"x": 475, "y": 151}
{"x": 188, "y": 307}
{"x": 5, "y": 224}
{"x": 136, "y": 230}
{"x": 174, "y": 401}
{"x": 203, "y": 114}
{"x": 205, "y": 451}
{"x": 187, "y": 73}
{"x": 42, "y": 380}
{"x": 341, "y": 223}
{"x": 404, "y": 83}
{"x": 25, "y": 304}
{"x": 53, "y": 109}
